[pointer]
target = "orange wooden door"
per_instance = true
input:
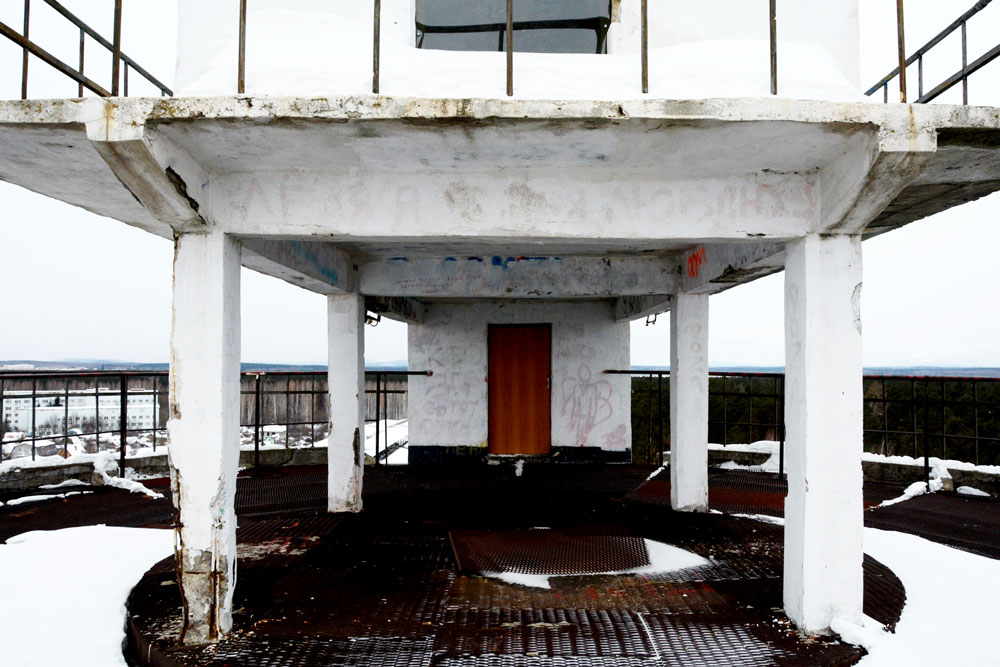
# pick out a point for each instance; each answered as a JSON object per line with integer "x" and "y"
{"x": 520, "y": 409}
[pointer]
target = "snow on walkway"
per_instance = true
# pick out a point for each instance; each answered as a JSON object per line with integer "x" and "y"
{"x": 63, "y": 593}
{"x": 951, "y": 615}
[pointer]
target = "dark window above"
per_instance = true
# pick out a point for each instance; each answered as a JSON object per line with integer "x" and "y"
{"x": 540, "y": 26}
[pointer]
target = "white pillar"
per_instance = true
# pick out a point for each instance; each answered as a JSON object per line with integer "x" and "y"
{"x": 204, "y": 426}
{"x": 689, "y": 402}
{"x": 346, "y": 452}
{"x": 823, "y": 441}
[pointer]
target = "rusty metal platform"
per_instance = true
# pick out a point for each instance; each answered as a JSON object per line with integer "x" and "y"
{"x": 384, "y": 587}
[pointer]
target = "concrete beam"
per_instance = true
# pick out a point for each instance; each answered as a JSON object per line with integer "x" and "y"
{"x": 712, "y": 268}
{"x": 345, "y": 444}
{"x": 871, "y": 174}
{"x": 635, "y": 307}
{"x": 823, "y": 417}
{"x": 161, "y": 190}
{"x": 689, "y": 403}
{"x": 316, "y": 266}
{"x": 519, "y": 277}
{"x": 204, "y": 427}
{"x": 399, "y": 308}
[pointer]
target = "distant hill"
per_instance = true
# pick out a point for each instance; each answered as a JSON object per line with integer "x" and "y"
{"x": 14, "y": 365}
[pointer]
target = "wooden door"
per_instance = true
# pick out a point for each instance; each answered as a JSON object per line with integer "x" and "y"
{"x": 519, "y": 403}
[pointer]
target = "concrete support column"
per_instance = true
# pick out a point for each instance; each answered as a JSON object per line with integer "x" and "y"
{"x": 823, "y": 441}
{"x": 204, "y": 427}
{"x": 346, "y": 452}
{"x": 689, "y": 403}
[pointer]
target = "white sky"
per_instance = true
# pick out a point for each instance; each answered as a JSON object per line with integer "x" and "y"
{"x": 75, "y": 285}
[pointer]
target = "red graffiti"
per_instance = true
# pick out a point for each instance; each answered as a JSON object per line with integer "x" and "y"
{"x": 695, "y": 261}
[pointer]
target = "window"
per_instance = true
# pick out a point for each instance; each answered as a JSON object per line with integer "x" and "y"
{"x": 540, "y": 26}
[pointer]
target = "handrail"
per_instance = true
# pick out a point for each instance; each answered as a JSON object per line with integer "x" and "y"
{"x": 505, "y": 31}
{"x": 917, "y": 57}
{"x": 114, "y": 46}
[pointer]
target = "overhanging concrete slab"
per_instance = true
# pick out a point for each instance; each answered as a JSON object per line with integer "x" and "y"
{"x": 436, "y": 177}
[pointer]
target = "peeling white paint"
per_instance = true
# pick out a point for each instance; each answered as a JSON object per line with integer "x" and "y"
{"x": 346, "y": 318}
{"x": 689, "y": 403}
{"x": 204, "y": 425}
{"x": 823, "y": 417}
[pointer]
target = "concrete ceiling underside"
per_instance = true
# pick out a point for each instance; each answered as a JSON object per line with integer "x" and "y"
{"x": 671, "y": 148}
{"x": 93, "y": 153}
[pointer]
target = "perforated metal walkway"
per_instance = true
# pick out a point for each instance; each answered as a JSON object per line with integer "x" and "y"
{"x": 384, "y": 588}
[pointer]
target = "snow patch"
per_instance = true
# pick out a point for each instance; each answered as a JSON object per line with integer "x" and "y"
{"x": 105, "y": 463}
{"x": 33, "y": 499}
{"x": 662, "y": 558}
{"x": 971, "y": 491}
{"x": 867, "y": 635}
{"x": 88, "y": 610}
{"x": 64, "y": 483}
{"x": 949, "y": 619}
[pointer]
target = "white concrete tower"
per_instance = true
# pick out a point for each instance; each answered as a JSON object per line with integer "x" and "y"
{"x": 517, "y": 231}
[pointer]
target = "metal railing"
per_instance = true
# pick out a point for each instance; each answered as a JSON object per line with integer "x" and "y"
{"x": 120, "y": 63}
{"x": 506, "y": 40}
{"x": 294, "y": 402}
{"x": 960, "y": 76}
{"x": 919, "y": 416}
{"x": 758, "y": 413}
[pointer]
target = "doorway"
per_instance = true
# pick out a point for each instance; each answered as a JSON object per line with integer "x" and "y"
{"x": 520, "y": 407}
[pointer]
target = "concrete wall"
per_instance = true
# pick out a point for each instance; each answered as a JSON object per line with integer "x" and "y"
{"x": 589, "y": 409}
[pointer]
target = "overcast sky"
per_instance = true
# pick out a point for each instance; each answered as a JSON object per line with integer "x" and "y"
{"x": 75, "y": 285}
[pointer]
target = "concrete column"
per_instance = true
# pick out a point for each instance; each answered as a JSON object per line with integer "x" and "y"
{"x": 204, "y": 427}
{"x": 689, "y": 403}
{"x": 346, "y": 452}
{"x": 823, "y": 441}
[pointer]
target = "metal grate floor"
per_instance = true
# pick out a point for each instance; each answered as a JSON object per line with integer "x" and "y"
{"x": 385, "y": 587}
{"x": 575, "y": 550}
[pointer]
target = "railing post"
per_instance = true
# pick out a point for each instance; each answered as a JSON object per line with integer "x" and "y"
{"x": 24, "y": 57}
{"x": 644, "y": 46}
{"x": 920, "y": 77}
{"x": 781, "y": 443}
{"x": 156, "y": 403}
{"x": 34, "y": 425}
{"x": 378, "y": 411}
{"x": 256, "y": 421}
{"x": 975, "y": 416}
{"x": 901, "y": 42}
{"x": 83, "y": 38}
{"x": 242, "y": 59}
{"x": 649, "y": 411}
{"x": 659, "y": 413}
{"x": 774, "y": 47}
{"x": 3, "y": 419}
{"x": 965, "y": 64}
{"x": 376, "y": 45}
{"x": 122, "y": 410}
{"x": 510, "y": 47}
{"x": 116, "y": 53}
{"x": 66, "y": 420}
{"x": 927, "y": 441}
{"x": 97, "y": 415}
